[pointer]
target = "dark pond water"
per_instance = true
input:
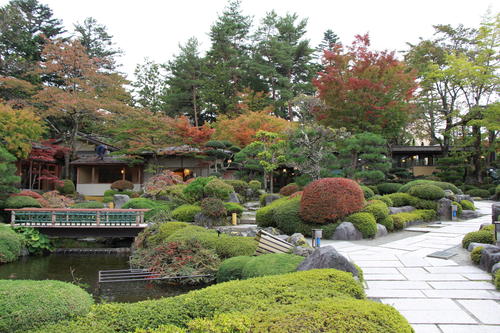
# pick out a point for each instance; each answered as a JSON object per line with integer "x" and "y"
{"x": 83, "y": 270}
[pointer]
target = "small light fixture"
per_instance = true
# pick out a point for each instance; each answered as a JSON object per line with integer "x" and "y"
{"x": 403, "y": 160}
{"x": 284, "y": 170}
{"x": 122, "y": 171}
{"x": 186, "y": 172}
{"x": 229, "y": 161}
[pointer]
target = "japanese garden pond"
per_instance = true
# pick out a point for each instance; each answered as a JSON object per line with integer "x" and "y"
{"x": 83, "y": 269}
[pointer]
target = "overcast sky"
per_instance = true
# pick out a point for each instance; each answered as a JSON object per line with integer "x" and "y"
{"x": 154, "y": 29}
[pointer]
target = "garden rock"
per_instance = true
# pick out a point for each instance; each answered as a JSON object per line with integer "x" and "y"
{"x": 327, "y": 257}
{"x": 283, "y": 237}
{"x": 205, "y": 221}
{"x": 381, "y": 230}
{"x": 469, "y": 214}
{"x": 347, "y": 231}
{"x": 120, "y": 199}
{"x": 252, "y": 205}
{"x": 473, "y": 245}
{"x": 403, "y": 209}
{"x": 495, "y": 212}
{"x": 302, "y": 251}
{"x": 233, "y": 197}
{"x": 461, "y": 197}
{"x": 270, "y": 198}
{"x": 495, "y": 268}
{"x": 272, "y": 231}
{"x": 489, "y": 257}
{"x": 297, "y": 239}
{"x": 444, "y": 209}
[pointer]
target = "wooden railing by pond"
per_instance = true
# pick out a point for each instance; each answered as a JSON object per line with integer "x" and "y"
{"x": 79, "y": 218}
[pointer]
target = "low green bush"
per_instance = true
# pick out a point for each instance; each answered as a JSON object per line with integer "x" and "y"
{"x": 159, "y": 214}
{"x": 402, "y": 219}
{"x": 364, "y": 222}
{"x": 367, "y": 192}
{"x": 424, "y": 204}
{"x": 195, "y": 189}
{"x": 255, "y": 185}
{"x": 254, "y": 294}
{"x": 10, "y": 244}
{"x": 185, "y": 213}
{"x": 26, "y": 304}
{"x": 388, "y": 222}
{"x": 388, "y": 188}
{"x": 213, "y": 207}
{"x": 239, "y": 186}
{"x": 271, "y": 264}
{"x": 21, "y": 202}
{"x": 443, "y": 185}
{"x": 467, "y": 205}
{"x": 218, "y": 189}
{"x": 338, "y": 315}
{"x": 262, "y": 198}
{"x": 479, "y": 193}
{"x": 88, "y": 205}
{"x": 485, "y": 235}
{"x": 401, "y": 199}
{"x": 265, "y": 216}
{"x": 497, "y": 280}
{"x": 232, "y": 269}
{"x": 140, "y": 203}
{"x": 426, "y": 192}
{"x": 378, "y": 208}
{"x": 475, "y": 254}
{"x": 162, "y": 232}
{"x": 233, "y": 207}
{"x": 384, "y": 199}
{"x": 67, "y": 187}
{"x": 286, "y": 215}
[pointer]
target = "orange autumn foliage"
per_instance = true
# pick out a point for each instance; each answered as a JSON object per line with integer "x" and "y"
{"x": 241, "y": 130}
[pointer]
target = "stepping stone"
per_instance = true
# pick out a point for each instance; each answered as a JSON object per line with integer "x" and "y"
{"x": 445, "y": 254}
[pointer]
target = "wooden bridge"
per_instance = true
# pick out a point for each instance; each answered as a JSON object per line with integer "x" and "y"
{"x": 72, "y": 222}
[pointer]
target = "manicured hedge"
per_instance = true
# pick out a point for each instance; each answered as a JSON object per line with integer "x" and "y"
{"x": 497, "y": 280}
{"x": 163, "y": 231}
{"x": 466, "y": 204}
{"x": 67, "y": 187}
{"x": 400, "y": 199}
{"x": 443, "y": 185}
{"x": 264, "y": 216}
{"x": 367, "y": 192}
{"x": 232, "y": 207}
{"x": 240, "y": 186}
{"x": 255, "y": 185}
{"x": 186, "y": 213}
{"x": 195, "y": 189}
{"x": 232, "y": 269}
{"x": 217, "y": 188}
{"x": 329, "y": 199}
{"x": 11, "y": 244}
{"x": 289, "y": 189}
{"x": 385, "y": 199}
{"x": 426, "y": 192}
{"x": 388, "y": 188}
{"x": 266, "y": 292}
{"x": 140, "y": 203}
{"x": 286, "y": 215}
{"x": 378, "y": 208}
{"x": 21, "y": 202}
{"x": 26, "y": 304}
{"x": 485, "y": 235}
{"x": 388, "y": 222}
{"x": 364, "y": 222}
{"x": 88, "y": 205}
{"x": 479, "y": 193}
{"x": 402, "y": 219}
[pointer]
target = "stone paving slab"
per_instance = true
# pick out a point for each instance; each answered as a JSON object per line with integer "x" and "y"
{"x": 469, "y": 285}
{"x": 425, "y": 328}
{"x": 391, "y": 293}
{"x": 384, "y": 277}
{"x": 421, "y": 304}
{"x": 438, "y": 317}
{"x": 377, "y": 270}
{"x": 461, "y": 294}
{"x": 468, "y": 329}
{"x": 477, "y": 276}
{"x": 487, "y": 311}
{"x": 435, "y": 277}
{"x": 415, "y": 285}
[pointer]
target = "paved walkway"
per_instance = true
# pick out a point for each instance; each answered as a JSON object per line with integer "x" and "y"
{"x": 435, "y": 295}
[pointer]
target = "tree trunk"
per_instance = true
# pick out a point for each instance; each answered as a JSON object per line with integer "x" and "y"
{"x": 476, "y": 156}
{"x": 195, "y": 108}
{"x": 271, "y": 182}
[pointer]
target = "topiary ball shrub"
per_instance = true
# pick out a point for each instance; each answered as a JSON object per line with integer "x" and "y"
{"x": 426, "y": 192}
{"x": 21, "y": 202}
{"x": 367, "y": 192}
{"x": 88, "y": 205}
{"x": 328, "y": 199}
{"x": 475, "y": 254}
{"x": 385, "y": 199}
{"x": 479, "y": 193}
{"x": 400, "y": 199}
{"x": 122, "y": 185}
{"x": 233, "y": 207}
{"x": 26, "y": 304}
{"x": 443, "y": 185}
{"x": 271, "y": 264}
{"x": 11, "y": 244}
{"x": 388, "y": 188}
{"x": 218, "y": 189}
{"x": 289, "y": 189}
{"x": 67, "y": 187}
{"x": 155, "y": 235}
{"x": 497, "y": 280}
{"x": 213, "y": 207}
{"x": 467, "y": 205}
{"x": 195, "y": 189}
{"x": 388, "y": 222}
{"x": 140, "y": 203}
{"x": 378, "y": 208}
{"x": 232, "y": 268}
{"x": 185, "y": 213}
{"x": 255, "y": 185}
{"x": 264, "y": 216}
{"x": 240, "y": 186}
{"x": 286, "y": 216}
{"x": 364, "y": 222}
{"x": 485, "y": 235}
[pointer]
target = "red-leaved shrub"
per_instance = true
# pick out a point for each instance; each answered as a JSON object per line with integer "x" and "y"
{"x": 289, "y": 189}
{"x": 27, "y": 193}
{"x": 328, "y": 199}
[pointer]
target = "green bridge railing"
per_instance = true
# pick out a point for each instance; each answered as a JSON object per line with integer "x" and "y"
{"x": 62, "y": 217}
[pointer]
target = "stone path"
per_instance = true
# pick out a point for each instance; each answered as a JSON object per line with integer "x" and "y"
{"x": 435, "y": 295}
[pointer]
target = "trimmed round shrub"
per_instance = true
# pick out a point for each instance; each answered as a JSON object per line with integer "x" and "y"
{"x": 88, "y": 205}
{"x": 233, "y": 207}
{"x": 373, "y": 188}
{"x": 185, "y": 213}
{"x": 155, "y": 235}
{"x": 467, "y": 205}
{"x": 475, "y": 254}
{"x": 213, "y": 207}
{"x": 364, "y": 222}
{"x": 424, "y": 204}
{"x": 378, "y": 208}
{"x": 388, "y": 188}
{"x": 367, "y": 192}
{"x": 21, "y": 202}
{"x": 443, "y": 185}
{"x": 263, "y": 196}
{"x": 218, "y": 188}
{"x": 479, "y": 193}
{"x": 400, "y": 199}
{"x": 255, "y": 185}
{"x": 140, "y": 203}
{"x": 264, "y": 216}
{"x": 497, "y": 280}
{"x": 26, "y": 304}
{"x": 195, "y": 189}
{"x": 240, "y": 186}
{"x": 11, "y": 244}
{"x": 286, "y": 215}
{"x": 340, "y": 315}
{"x": 271, "y": 264}
{"x": 328, "y": 199}
{"x": 122, "y": 185}
{"x": 385, "y": 199}
{"x": 426, "y": 192}
{"x": 67, "y": 187}
{"x": 388, "y": 222}
{"x": 484, "y": 235}
{"x": 289, "y": 189}
{"x": 232, "y": 268}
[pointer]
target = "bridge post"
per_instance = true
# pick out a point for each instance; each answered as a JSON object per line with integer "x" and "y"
{"x": 98, "y": 218}
{"x": 53, "y": 215}
{"x": 13, "y": 218}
